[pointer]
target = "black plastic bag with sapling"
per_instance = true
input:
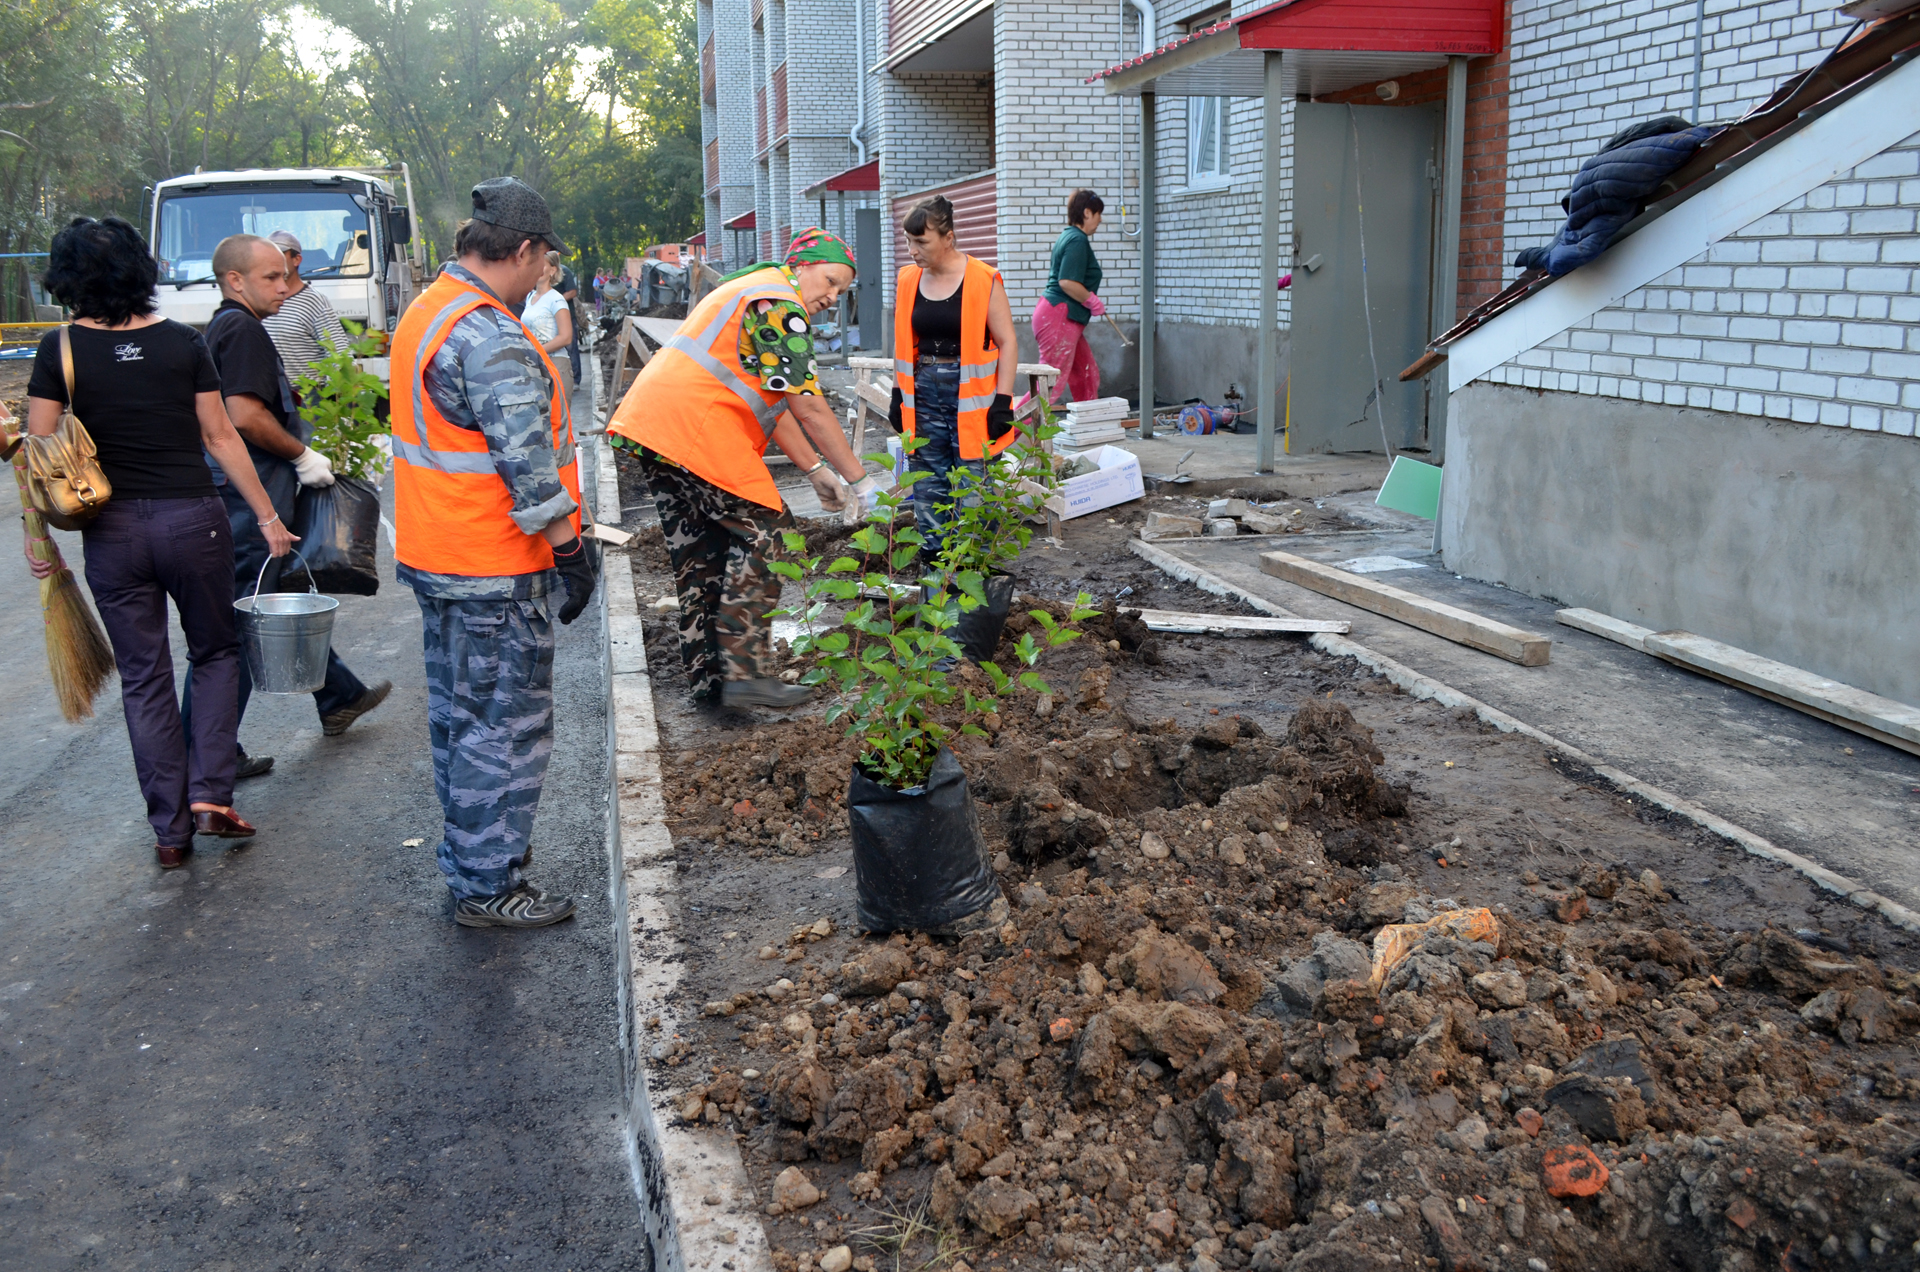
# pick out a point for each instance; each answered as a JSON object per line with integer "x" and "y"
{"x": 918, "y": 856}
{"x": 339, "y": 529}
{"x": 884, "y": 655}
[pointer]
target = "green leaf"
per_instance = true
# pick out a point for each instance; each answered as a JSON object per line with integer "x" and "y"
{"x": 794, "y": 540}
{"x": 843, "y": 565}
{"x": 1031, "y": 680}
{"x": 786, "y": 569}
{"x": 999, "y": 677}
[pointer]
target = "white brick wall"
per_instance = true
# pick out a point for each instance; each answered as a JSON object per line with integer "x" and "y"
{"x": 1808, "y": 314}
{"x": 937, "y": 128}
{"x": 1583, "y": 70}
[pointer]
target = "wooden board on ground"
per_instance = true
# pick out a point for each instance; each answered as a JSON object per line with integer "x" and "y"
{"x": 1882, "y": 719}
{"x": 1181, "y": 621}
{"x": 1631, "y": 635}
{"x": 658, "y": 330}
{"x": 1529, "y": 649}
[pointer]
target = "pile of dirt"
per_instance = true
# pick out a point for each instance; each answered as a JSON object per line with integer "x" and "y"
{"x": 1181, "y": 1049}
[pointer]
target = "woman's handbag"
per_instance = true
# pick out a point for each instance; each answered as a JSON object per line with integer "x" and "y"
{"x": 65, "y": 483}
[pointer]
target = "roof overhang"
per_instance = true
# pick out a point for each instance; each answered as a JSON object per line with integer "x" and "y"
{"x": 958, "y": 39}
{"x": 1328, "y": 45}
{"x": 745, "y": 221}
{"x": 862, "y": 179}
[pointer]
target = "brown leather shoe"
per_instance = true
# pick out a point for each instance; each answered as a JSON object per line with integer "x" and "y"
{"x": 222, "y": 823}
{"x": 170, "y": 858}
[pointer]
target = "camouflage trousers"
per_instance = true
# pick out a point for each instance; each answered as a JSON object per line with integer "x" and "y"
{"x": 490, "y": 719}
{"x": 719, "y": 544}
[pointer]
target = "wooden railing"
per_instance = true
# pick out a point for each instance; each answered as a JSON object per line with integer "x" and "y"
{"x": 760, "y": 120}
{"x": 779, "y": 103}
{"x": 713, "y": 166}
{"x": 709, "y": 83}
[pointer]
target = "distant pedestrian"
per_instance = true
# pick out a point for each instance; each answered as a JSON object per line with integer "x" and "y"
{"x": 550, "y": 319}
{"x": 739, "y": 373}
{"x": 305, "y": 323}
{"x": 252, "y": 275}
{"x": 569, "y": 288}
{"x": 1061, "y": 315}
{"x": 955, "y": 358}
{"x": 148, "y": 393}
{"x": 486, "y": 500}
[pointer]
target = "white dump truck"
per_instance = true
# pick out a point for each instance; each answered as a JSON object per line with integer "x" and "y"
{"x": 355, "y": 228}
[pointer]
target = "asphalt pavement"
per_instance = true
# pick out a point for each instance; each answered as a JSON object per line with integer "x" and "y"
{"x": 287, "y": 1054}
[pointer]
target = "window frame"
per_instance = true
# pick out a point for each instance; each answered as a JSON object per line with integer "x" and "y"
{"x": 1221, "y": 175}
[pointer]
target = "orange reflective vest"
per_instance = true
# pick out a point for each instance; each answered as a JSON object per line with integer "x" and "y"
{"x": 979, "y": 357}
{"x": 451, "y": 512}
{"x": 692, "y": 405}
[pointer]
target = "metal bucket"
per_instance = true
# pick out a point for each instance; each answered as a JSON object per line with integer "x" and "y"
{"x": 285, "y": 637}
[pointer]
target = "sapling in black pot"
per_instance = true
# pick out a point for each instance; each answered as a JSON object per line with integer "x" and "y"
{"x": 987, "y": 528}
{"x": 919, "y": 859}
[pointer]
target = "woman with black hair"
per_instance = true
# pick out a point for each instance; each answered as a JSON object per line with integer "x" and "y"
{"x": 954, "y": 362}
{"x": 1061, "y": 315}
{"x": 146, "y": 390}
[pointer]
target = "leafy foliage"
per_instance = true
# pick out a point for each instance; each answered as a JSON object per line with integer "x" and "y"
{"x": 988, "y": 519}
{"x": 889, "y": 657}
{"x": 340, "y": 403}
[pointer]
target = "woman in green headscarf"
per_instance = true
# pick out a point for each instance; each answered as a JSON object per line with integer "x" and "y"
{"x": 699, "y": 419}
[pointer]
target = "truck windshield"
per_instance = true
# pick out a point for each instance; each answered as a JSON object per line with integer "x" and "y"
{"x": 330, "y": 224}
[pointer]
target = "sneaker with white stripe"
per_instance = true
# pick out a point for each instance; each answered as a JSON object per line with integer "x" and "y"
{"x": 525, "y": 907}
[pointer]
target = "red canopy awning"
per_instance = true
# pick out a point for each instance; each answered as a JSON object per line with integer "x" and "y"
{"x": 698, "y": 240}
{"x": 744, "y": 221}
{"x": 1328, "y": 45}
{"x": 862, "y": 179}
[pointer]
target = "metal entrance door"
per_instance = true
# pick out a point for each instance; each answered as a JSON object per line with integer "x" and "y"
{"x": 1334, "y": 405}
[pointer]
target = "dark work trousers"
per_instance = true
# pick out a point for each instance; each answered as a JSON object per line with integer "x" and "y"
{"x": 342, "y": 688}
{"x": 936, "y": 422}
{"x": 139, "y": 553}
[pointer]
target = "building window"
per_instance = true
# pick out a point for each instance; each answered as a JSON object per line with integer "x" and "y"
{"x": 1207, "y": 162}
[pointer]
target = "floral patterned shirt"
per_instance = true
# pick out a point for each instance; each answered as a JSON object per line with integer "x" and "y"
{"x": 776, "y": 344}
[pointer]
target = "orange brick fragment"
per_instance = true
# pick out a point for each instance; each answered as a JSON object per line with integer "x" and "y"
{"x": 1573, "y": 1171}
{"x": 1529, "y": 1121}
{"x": 1061, "y": 1029}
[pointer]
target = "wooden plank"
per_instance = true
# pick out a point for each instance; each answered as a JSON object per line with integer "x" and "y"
{"x": 658, "y": 330}
{"x": 1529, "y": 649}
{"x": 1883, "y": 719}
{"x": 1615, "y": 629}
{"x": 1181, "y": 621}
{"x": 874, "y": 397}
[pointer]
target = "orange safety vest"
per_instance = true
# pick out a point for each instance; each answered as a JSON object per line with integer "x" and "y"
{"x": 451, "y": 512}
{"x": 979, "y": 357}
{"x": 692, "y": 405}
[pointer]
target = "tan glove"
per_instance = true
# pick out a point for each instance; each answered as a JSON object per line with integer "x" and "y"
{"x": 827, "y": 484}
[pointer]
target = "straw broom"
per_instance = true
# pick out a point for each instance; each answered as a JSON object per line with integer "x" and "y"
{"x": 78, "y": 656}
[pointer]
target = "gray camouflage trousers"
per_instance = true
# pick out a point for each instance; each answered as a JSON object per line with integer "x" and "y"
{"x": 719, "y": 544}
{"x": 490, "y": 718}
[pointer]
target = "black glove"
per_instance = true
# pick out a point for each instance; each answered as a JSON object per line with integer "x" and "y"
{"x": 893, "y": 411}
{"x": 576, "y": 567}
{"x": 1000, "y": 416}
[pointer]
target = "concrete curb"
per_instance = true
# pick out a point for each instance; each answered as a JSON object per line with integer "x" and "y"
{"x": 676, "y": 1167}
{"x": 1426, "y": 687}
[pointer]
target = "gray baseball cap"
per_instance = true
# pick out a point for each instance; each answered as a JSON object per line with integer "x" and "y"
{"x": 512, "y": 204}
{"x": 285, "y": 241}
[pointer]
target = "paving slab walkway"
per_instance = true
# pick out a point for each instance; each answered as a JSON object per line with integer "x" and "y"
{"x": 1846, "y": 802}
{"x": 287, "y": 1054}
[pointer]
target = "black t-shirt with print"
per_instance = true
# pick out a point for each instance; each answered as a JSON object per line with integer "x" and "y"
{"x": 134, "y": 390}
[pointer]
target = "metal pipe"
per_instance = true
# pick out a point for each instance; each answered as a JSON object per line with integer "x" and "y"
{"x": 1446, "y": 274}
{"x": 1149, "y": 28}
{"x": 1149, "y": 178}
{"x": 858, "y": 136}
{"x": 1699, "y": 32}
{"x": 1269, "y": 399}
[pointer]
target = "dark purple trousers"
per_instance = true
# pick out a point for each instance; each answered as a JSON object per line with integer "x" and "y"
{"x": 140, "y": 552}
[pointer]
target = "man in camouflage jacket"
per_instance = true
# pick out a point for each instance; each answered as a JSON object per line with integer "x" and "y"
{"x": 489, "y": 639}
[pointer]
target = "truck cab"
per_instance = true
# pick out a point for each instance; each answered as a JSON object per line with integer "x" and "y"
{"x": 355, "y": 232}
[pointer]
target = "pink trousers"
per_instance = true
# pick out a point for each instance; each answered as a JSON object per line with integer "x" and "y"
{"x": 1063, "y": 344}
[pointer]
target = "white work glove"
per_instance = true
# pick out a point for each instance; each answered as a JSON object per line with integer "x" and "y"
{"x": 313, "y": 468}
{"x": 827, "y": 484}
{"x": 865, "y": 498}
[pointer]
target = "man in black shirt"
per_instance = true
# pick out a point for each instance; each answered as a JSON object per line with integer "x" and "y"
{"x": 260, "y": 399}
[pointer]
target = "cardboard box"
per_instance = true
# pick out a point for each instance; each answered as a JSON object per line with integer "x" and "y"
{"x": 1117, "y": 482}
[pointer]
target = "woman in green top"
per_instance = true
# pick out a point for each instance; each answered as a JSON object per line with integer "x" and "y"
{"x": 1061, "y": 315}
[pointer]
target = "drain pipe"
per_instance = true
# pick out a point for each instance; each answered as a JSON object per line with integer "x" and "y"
{"x": 1149, "y": 27}
{"x": 857, "y": 136}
